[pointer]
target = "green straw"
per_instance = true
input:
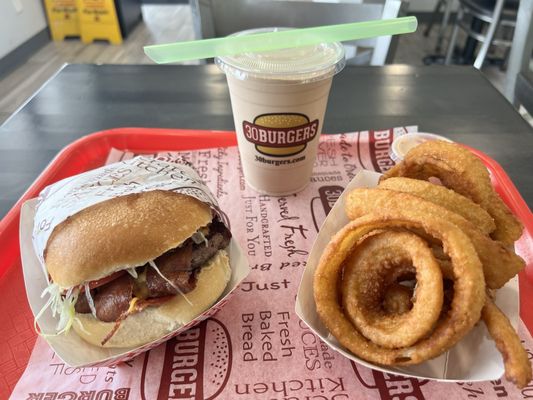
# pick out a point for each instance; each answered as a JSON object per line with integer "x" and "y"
{"x": 260, "y": 42}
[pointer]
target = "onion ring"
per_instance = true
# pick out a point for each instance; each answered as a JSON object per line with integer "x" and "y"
{"x": 365, "y": 279}
{"x": 443, "y": 197}
{"x": 515, "y": 358}
{"x": 499, "y": 263}
{"x": 397, "y": 299}
{"x": 469, "y": 287}
{"x": 460, "y": 170}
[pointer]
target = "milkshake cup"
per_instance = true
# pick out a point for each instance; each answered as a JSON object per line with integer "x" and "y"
{"x": 279, "y": 99}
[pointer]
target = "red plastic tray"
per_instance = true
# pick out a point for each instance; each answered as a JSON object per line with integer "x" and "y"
{"x": 17, "y": 335}
{"x": 16, "y": 319}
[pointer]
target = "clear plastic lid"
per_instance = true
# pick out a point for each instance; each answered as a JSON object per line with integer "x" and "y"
{"x": 293, "y": 65}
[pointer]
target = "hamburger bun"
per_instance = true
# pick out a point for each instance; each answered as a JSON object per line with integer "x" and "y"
{"x": 155, "y": 322}
{"x": 121, "y": 233}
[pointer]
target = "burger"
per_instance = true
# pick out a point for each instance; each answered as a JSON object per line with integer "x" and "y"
{"x": 134, "y": 268}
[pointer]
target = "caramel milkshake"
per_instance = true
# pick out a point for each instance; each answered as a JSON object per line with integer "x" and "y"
{"x": 279, "y": 99}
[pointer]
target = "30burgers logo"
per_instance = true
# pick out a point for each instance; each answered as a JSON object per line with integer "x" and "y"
{"x": 327, "y": 195}
{"x": 392, "y": 387}
{"x": 280, "y": 135}
{"x": 197, "y": 363}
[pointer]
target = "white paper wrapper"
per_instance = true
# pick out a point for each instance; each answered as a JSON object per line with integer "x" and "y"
{"x": 76, "y": 193}
{"x": 474, "y": 358}
{"x": 62, "y": 199}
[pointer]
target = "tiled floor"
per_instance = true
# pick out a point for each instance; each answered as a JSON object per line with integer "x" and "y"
{"x": 161, "y": 23}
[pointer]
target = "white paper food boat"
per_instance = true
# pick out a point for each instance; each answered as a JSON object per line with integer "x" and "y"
{"x": 73, "y": 350}
{"x": 474, "y": 358}
{"x": 71, "y": 195}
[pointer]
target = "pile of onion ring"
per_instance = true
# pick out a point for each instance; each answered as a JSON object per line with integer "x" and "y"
{"x": 416, "y": 268}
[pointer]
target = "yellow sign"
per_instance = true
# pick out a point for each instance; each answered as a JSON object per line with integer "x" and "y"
{"x": 98, "y": 21}
{"x": 62, "y": 18}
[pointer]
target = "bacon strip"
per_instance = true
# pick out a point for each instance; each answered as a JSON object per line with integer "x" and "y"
{"x": 178, "y": 265}
{"x": 102, "y": 281}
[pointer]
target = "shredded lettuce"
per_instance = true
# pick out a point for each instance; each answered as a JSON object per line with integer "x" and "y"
{"x": 132, "y": 272}
{"x": 59, "y": 304}
{"x": 198, "y": 237}
{"x": 66, "y": 315}
{"x": 62, "y": 305}
{"x": 152, "y": 264}
{"x": 90, "y": 300}
{"x": 81, "y": 326}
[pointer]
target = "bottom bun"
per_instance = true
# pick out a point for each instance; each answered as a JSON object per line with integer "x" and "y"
{"x": 155, "y": 322}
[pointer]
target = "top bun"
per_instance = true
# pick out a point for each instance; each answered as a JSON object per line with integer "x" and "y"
{"x": 120, "y": 233}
